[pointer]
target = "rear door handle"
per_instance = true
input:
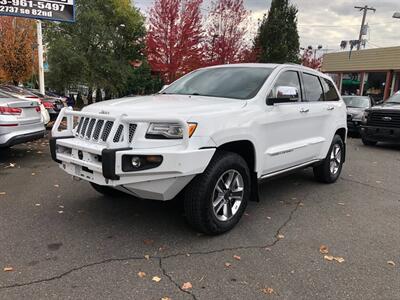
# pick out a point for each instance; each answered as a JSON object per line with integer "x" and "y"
{"x": 331, "y": 108}
{"x": 304, "y": 110}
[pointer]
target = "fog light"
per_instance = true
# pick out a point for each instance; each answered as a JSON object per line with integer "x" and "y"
{"x": 136, "y": 162}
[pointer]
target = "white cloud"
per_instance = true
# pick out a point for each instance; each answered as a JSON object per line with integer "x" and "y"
{"x": 327, "y": 23}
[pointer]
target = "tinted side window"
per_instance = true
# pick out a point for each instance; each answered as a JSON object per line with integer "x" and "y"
{"x": 313, "y": 88}
{"x": 329, "y": 90}
{"x": 289, "y": 78}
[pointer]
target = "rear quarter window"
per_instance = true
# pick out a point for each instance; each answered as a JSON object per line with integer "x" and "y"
{"x": 330, "y": 93}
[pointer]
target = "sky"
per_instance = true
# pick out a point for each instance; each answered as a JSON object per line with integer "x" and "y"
{"x": 327, "y": 23}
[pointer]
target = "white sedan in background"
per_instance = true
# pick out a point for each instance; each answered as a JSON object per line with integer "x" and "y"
{"x": 20, "y": 121}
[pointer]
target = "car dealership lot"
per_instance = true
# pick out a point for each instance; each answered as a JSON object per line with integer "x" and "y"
{"x": 63, "y": 240}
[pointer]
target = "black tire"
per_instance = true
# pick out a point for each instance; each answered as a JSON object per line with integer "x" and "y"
{"x": 323, "y": 172}
{"x": 368, "y": 143}
{"x": 107, "y": 191}
{"x": 198, "y": 195}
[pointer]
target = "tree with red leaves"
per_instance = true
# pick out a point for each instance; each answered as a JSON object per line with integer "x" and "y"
{"x": 310, "y": 59}
{"x": 174, "y": 37}
{"x": 226, "y": 34}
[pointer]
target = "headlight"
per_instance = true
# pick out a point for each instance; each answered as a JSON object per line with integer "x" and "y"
{"x": 364, "y": 118}
{"x": 168, "y": 130}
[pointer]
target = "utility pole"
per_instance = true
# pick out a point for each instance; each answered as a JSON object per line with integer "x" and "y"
{"x": 365, "y": 8}
{"x": 40, "y": 55}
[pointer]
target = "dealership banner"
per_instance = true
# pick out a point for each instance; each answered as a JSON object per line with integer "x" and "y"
{"x": 53, "y": 10}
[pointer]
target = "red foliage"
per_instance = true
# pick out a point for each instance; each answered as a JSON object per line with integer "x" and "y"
{"x": 174, "y": 37}
{"x": 310, "y": 59}
{"x": 226, "y": 35}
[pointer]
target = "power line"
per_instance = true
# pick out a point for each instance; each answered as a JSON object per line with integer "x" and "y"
{"x": 343, "y": 26}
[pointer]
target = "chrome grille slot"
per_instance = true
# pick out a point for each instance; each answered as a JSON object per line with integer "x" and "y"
{"x": 132, "y": 129}
{"x": 118, "y": 134}
{"x": 97, "y": 130}
{"x": 84, "y": 127}
{"x": 107, "y": 130}
{"x": 79, "y": 126}
{"x": 90, "y": 128}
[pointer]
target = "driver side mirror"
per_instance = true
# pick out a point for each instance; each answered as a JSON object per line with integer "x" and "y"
{"x": 164, "y": 87}
{"x": 283, "y": 94}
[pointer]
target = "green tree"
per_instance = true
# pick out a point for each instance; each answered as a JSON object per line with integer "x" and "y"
{"x": 277, "y": 40}
{"x": 96, "y": 50}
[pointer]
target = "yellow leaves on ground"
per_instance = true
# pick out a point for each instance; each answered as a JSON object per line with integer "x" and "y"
{"x": 237, "y": 257}
{"x": 268, "y": 291}
{"x": 391, "y": 262}
{"x": 141, "y": 274}
{"x": 186, "y": 286}
{"x": 156, "y": 279}
{"x": 324, "y": 250}
{"x": 280, "y": 236}
{"x": 8, "y": 269}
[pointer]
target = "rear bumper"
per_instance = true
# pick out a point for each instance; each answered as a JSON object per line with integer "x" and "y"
{"x": 23, "y": 138}
{"x": 380, "y": 134}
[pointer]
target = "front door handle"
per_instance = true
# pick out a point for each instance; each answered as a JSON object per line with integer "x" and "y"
{"x": 331, "y": 108}
{"x": 304, "y": 110}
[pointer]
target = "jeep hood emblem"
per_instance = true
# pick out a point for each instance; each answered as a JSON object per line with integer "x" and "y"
{"x": 103, "y": 112}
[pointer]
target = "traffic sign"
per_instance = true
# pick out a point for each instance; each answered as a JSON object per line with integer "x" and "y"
{"x": 53, "y": 10}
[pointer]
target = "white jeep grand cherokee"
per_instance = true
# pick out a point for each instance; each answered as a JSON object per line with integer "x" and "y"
{"x": 213, "y": 134}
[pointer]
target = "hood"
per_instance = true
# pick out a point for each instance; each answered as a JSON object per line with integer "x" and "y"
{"x": 386, "y": 106}
{"x": 166, "y": 106}
{"x": 355, "y": 110}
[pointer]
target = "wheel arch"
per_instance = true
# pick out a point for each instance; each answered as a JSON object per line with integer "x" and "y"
{"x": 245, "y": 149}
{"x": 342, "y": 132}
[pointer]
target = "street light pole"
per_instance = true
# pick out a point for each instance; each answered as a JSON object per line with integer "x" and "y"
{"x": 40, "y": 56}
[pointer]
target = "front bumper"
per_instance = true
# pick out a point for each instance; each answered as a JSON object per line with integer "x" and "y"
{"x": 380, "y": 134}
{"x": 353, "y": 126}
{"x": 100, "y": 162}
{"x": 104, "y": 167}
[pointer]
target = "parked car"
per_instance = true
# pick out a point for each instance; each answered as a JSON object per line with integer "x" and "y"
{"x": 52, "y": 104}
{"x": 356, "y": 105}
{"x": 213, "y": 134}
{"x": 20, "y": 121}
{"x": 381, "y": 123}
{"x": 23, "y": 94}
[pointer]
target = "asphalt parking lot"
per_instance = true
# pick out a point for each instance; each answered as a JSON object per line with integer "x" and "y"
{"x": 61, "y": 240}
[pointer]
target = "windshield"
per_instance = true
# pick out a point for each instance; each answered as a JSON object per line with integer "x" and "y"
{"x": 227, "y": 82}
{"x": 394, "y": 99}
{"x": 359, "y": 102}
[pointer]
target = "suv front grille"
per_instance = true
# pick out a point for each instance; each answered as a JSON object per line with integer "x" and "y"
{"x": 384, "y": 119}
{"x": 99, "y": 130}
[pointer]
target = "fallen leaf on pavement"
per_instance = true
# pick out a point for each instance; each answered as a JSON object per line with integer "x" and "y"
{"x": 33, "y": 174}
{"x": 37, "y": 204}
{"x": 323, "y": 249}
{"x": 147, "y": 256}
{"x": 227, "y": 264}
{"x": 280, "y": 236}
{"x": 268, "y": 291}
{"x": 269, "y": 218}
{"x": 301, "y": 204}
{"x": 339, "y": 259}
{"x": 391, "y": 262}
{"x": 328, "y": 257}
{"x": 141, "y": 274}
{"x": 156, "y": 279}
{"x": 341, "y": 203}
{"x": 186, "y": 286}
{"x": 3, "y": 193}
{"x": 335, "y": 258}
{"x": 237, "y": 257}
{"x": 8, "y": 269}
{"x": 56, "y": 185}
{"x": 60, "y": 211}
{"x": 166, "y": 298}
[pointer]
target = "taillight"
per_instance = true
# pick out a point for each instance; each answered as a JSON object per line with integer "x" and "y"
{"x": 48, "y": 105}
{"x": 37, "y": 108}
{"x": 5, "y": 110}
